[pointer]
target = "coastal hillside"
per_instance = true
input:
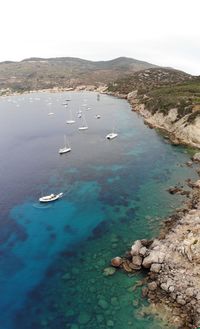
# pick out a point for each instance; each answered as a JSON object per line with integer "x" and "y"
{"x": 64, "y": 72}
{"x": 168, "y": 99}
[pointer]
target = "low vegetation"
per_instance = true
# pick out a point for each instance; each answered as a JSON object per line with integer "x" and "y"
{"x": 162, "y": 90}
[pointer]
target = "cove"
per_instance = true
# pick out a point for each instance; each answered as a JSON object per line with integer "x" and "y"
{"x": 53, "y": 256}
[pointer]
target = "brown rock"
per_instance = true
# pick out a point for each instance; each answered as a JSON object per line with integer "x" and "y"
{"x": 126, "y": 267}
{"x": 136, "y": 248}
{"x": 143, "y": 251}
{"x": 155, "y": 256}
{"x": 116, "y": 262}
{"x": 137, "y": 262}
{"x": 152, "y": 286}
{"x": 155, "y": 267}
{"x": 144, "y": 291}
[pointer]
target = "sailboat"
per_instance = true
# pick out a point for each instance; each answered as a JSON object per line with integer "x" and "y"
{"x": 111, "y": 135}
{"x": 84, "y": 126}
{"x": 66, "y": 148}
{"x": 71, "y": 121}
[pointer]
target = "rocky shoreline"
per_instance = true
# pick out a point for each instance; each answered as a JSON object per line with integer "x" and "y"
{"x": 172, "y": 261}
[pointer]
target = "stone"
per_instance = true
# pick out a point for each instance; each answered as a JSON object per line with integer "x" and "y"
{"x": 143, "y": 251}
{"x": 84, "y": 318}
{"x": 137, "y": 262}
{"x": 164, "y": 286}
{"x": 189, "y": 292}
{"x": 116, "y": 262}
{"x": 152, "y": 286}
{"x": 180, "y": 300}
{"x": 155, "y": 267}
{"x": 110, "y": 323}
{"x": 103, "y": 304}
{"x": 128, "y": 267}
{"x": 196, "y": 157}
{"x": 100, "y": 318}
{"x": 155, "y": 256}
{"x": 114, "y": 301}
{"x": 109, "y": 271}
{"x": 146, "y": 243}
{"x": 171, "y": 288}
{"x": 136, "y": 248}
{"x": 144, "y": 291}
{"x": 197, "y": 183}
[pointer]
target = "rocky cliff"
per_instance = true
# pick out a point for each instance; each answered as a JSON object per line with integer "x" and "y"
{"x": 167, "y": 99}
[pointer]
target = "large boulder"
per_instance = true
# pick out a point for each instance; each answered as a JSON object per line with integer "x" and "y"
{"x": 196, "y": 157}
{"x": 155, "y": 267}
{"x": 137, "y": 262}
{"x": 116, "y": 262}
{"x": 135, "y": 249}
{"x": 155, "y": 256}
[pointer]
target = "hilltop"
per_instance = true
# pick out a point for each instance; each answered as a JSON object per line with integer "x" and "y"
{"x": 64, "y": 72}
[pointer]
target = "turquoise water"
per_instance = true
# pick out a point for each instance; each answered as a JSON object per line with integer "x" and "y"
{"x": 53, "y": 256}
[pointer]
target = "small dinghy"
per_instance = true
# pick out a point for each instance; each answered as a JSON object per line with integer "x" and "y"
{"x": 51, "y": 197}
{"x": 111, "y": 136}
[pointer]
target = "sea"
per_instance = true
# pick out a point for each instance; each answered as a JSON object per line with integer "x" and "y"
{"x": 53, "y": 255}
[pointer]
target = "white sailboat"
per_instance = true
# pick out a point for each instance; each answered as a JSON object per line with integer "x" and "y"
{"x": 66, "y": 147}
{"x": 84, "y": 126}
{"x": 111, "y": 135}
{"x": 70, "y": 121}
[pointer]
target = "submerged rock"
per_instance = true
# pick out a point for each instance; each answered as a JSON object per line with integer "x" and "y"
{"x": 116, "y": 262}
{"x": 109, "y": 271}
{"x": 103, "y": 304}
{"x": 196, "y": 157}
{"x": 84, "y": 318}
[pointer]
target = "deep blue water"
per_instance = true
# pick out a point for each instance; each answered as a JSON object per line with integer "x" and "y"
{"x": 114, "y": 193}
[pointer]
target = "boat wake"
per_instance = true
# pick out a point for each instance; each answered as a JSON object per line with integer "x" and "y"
{"x": 39, "y": 206}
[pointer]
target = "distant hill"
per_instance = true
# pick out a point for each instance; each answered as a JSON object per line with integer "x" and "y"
{"x": 41, "y": 73}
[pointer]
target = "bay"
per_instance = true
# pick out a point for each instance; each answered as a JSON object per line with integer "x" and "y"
{"x": 53, "y": 256}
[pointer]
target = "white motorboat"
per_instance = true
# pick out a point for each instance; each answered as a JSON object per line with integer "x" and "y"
{"x": 66, "y": 148}
{"x": 98, "y": 116}
{"x": 51, "y": 197}
{"x": 50, "y": 113}
{"x": 112, "y": 135}
{"x": 84, "y": 126}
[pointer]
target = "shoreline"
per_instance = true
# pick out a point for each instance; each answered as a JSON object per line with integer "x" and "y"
{"x": 173, "y": 264}
{"x": 173, "y": 258}
{"x": 94, "y": 88}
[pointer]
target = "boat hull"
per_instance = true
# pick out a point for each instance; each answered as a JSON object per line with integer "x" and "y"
{"x": 111, "y": 136}
{"x": 62, "y": 151}
{"x": 50, "y": 198}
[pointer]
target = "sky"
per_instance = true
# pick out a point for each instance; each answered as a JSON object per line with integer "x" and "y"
{"x": 162, "y": 32}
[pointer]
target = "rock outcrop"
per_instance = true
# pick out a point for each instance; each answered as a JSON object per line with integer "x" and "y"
{"x": 180, "y": 130}
{"x": 173, "y": 263}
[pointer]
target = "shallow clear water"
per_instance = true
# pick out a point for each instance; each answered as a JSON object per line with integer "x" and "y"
{"x": 53, "y": 255}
